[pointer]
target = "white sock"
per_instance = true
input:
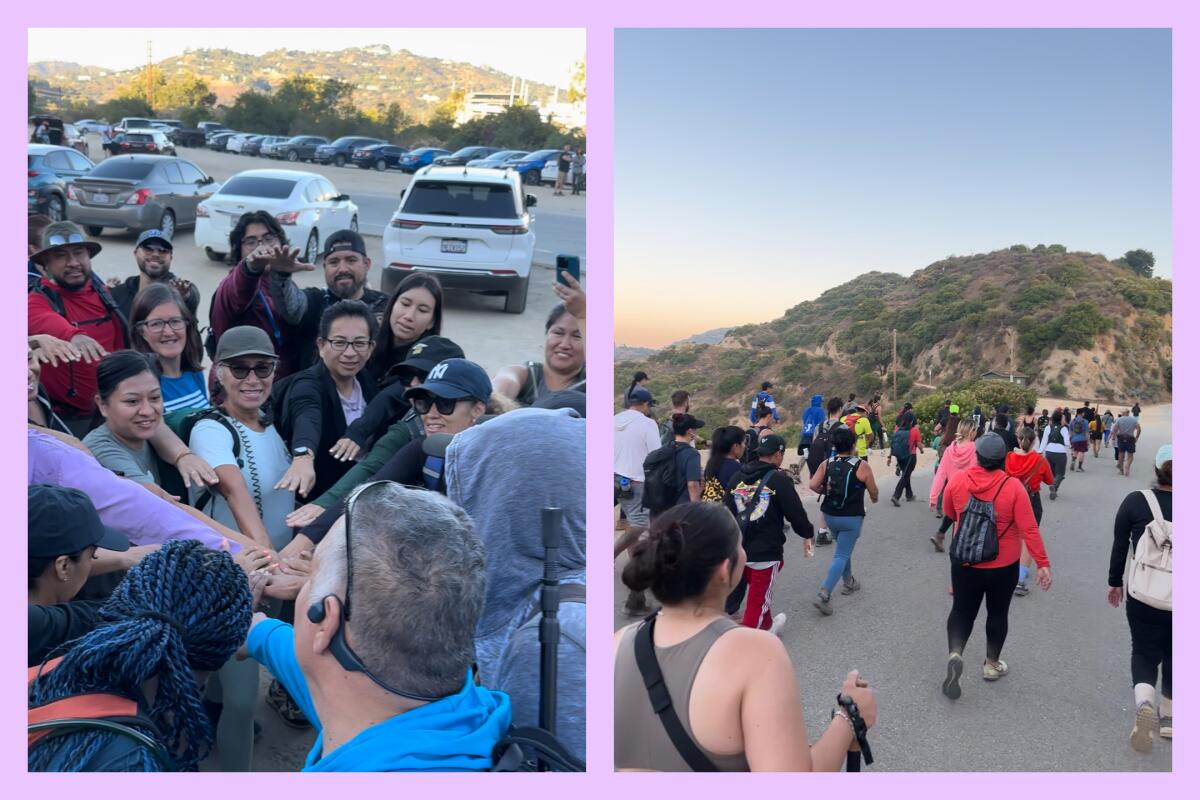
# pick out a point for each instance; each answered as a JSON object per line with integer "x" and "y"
{"x": 1143, "y": 693}
{"x": 1164, "y": 706}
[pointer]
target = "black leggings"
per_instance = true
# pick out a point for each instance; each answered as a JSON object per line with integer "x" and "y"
{"x": 906, "y": 471}
{"x": 1150, "y": 630}
{"x": 1058, "y": 465}
{"x": 971, "y": 586}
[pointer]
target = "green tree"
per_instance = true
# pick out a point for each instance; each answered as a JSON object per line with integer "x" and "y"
{"x": 578, "y": 89}
{"x": 1141, "y": 262}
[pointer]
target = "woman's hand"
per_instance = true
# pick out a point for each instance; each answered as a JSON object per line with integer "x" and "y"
{"x": 1115, "y": 595}
{"x": 1043, "y": 578}
{"x": 284, "y": 587}
{"x": 808, "y": 548}
{"x": 863, "y": 696}
{"x": 252, "y": 559}
{"x": 304, "y": 516}
{"x": 572, "y": 296}
{"x": 50, "y": 350}
{"x": 299, "y": 564}
{"x": 89, "y": 349}
{"x": 195, "y": 471}
{"x": 345, "y": 449}
{"x": 299, "y": 477}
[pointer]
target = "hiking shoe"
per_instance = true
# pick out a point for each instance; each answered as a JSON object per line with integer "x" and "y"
{"x": 938, "y": 543}
{"x": 1072, "y": 466}
{"x": 822, "y": 603}
{"x": 994, "y": 672}
{"x": 285, "y": 706}
{"x": 823, "y": 538}
{"x": 898, "y": 472}
{"x": 910, "y": 498}
{"x": 1164, "y": 727}
{"x": 938, "y": 515}
{"x": 1145, "y": 726}
{"x": 896, "y": 502}
{"x": 851, "y": 586}
{"x": 1053, "y": 492}
{"x": 1081, "y": 466}
{"x": 954, "y": 668}
{"x": 1021, "y": 589}
{"x": 777, "y": 623}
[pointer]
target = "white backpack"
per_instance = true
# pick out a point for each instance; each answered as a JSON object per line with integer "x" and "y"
{"x": 1150, "y": 568}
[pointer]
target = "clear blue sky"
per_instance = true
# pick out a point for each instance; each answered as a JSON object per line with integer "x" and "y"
{"x": 756, "y": 168}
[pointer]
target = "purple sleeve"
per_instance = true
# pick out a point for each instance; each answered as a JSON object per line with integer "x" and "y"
{"x": 122, "y": 504}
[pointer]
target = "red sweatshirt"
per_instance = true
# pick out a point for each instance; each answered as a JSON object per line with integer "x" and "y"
{"x": 72, "y": 387}
{"x": 1014, "y": 514}
{"x": 1030, "y": 468}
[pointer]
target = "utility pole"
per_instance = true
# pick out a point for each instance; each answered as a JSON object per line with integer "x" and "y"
{"x": 149, "y": 74}
{"x": 893, "y": 366}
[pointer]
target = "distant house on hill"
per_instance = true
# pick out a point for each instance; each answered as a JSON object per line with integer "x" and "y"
{"x": 1009, "y": 377}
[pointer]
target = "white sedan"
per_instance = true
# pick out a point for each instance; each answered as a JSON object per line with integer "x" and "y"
{"x": 306, "y": 204}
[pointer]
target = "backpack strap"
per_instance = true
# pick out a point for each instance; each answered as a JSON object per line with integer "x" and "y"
{"x": 567, "y": 593}
{"x": 660, "y": 700}
{"x": 206, "y": 494}
{"x": 748, "y": 511}
{"x": 1155, "y": 508}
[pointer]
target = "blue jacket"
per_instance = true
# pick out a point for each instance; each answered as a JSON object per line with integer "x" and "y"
{"x": 454, "y": 734}
{"x": 765, "y": 398}
{"x": 814, "y": 415}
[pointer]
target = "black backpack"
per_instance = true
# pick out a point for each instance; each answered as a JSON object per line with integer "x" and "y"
{"x": 182, "y": 422}
{"x": 839, "y": 472}
{"x": 822, "y": 443}
{"x": 975, "y": 541}
{"x": 900, "y": 448}
{"x": 1056, "y": 430}
{"x": 663, "y": 483}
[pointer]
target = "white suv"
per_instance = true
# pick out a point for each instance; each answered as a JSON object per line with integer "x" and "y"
{"x": 469, "y": 226}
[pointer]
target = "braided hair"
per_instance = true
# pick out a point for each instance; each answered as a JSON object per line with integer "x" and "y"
{"x": 182, "y": 608}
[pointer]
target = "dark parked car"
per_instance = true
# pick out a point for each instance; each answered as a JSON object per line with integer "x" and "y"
{"x": 530, "y": 167}
{"x": 413, "y": 160}
{"x": 138, "y": 193}
{"x": 217, "y": 140}
{"x": 253, "y": 145}
{"x": 145, "y": 141}
{"x": 195, "y": 137}
{"x": 461, "y": 157}
{"x": 339, "y": 151}
{"x": 380, "y": 156}
{"x": 300, "y": 148}
{"x": 51, "y": 171}
{"x": 499, "y": 159}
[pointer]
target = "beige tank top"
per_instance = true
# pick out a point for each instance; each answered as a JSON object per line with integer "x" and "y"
{"x": 641, "y": 740}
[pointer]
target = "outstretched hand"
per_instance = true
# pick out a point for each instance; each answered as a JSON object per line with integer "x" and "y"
{"x": 572, "y": 296}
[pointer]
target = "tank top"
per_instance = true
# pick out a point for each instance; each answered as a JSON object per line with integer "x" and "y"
{"x": 641, "y": 740}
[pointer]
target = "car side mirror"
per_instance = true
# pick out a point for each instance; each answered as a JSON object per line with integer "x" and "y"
{"x": 402, "y": 191}
{"x": 530, "y": 200}
{"x": 341, "y": 198}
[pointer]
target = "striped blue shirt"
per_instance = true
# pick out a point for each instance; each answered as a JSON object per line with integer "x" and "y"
{"x": 186, "y": 391}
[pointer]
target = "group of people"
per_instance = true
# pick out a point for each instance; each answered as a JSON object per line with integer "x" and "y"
{"x": 572, "y": 164}
{"x": 715, "y": 541}
{"x": 212, "y": 486}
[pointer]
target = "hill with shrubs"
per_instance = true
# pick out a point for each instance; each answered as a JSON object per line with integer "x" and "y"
{"x": 1076, "y": 324}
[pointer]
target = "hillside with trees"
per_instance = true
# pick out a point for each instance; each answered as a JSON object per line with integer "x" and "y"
{"x": 1076, "y": 323}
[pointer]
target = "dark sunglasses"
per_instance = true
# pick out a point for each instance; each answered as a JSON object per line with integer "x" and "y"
{"x": 421, "y": 403}
{"x": 262, "y": 370}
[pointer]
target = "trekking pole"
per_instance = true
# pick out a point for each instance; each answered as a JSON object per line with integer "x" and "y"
{"x": 548, "y": 630}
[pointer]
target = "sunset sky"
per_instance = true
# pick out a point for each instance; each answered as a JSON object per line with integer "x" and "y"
{"x": 755, "y": 169}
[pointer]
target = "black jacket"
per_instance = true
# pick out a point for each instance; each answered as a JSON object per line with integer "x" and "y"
{"x": 388, "y": 406}
{"x": 310, "y": 415}
{"x": 50, "y": 627}
{"x": 124, "y": 293}
{"x": 304, "y": 334}
{"x": 765, "y": 537}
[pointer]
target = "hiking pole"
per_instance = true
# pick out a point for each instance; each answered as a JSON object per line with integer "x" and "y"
{"x": 548, "y": 630}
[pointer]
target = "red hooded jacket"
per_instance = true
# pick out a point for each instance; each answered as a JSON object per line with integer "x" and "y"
{"x": 1030, "y": 468}
{"x": 1014, "y": 514}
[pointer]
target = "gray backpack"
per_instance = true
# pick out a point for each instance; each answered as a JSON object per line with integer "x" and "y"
{"x": 975, "y": 541}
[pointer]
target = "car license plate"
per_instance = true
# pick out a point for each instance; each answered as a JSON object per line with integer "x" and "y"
{"x": 454, "y": 245}
{"x": 100, "y": 197}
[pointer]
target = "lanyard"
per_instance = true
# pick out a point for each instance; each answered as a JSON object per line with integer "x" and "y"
{"x": 271, "y": 318}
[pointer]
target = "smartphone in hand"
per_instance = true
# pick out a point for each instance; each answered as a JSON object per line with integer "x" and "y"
{"x": 566, "y": 265}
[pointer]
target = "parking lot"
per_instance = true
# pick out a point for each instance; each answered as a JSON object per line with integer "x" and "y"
{"x": 477, "y": 322}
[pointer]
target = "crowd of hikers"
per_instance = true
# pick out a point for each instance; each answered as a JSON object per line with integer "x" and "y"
{"x": 706, "y": 538}
{"x": 314, "y": 486}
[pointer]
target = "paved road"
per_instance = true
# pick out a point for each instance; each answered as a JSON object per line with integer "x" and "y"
{"x": 1066, "y": 704}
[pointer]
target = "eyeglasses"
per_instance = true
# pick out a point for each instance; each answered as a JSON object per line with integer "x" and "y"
{"x": 345, "y": 655}
{"x": 270, "y": 240}
{"x": 421, "y": 403}
{"x": 262, "y": 370}
{"x": 60, "y": 239}
{"x": 359, "y": 345}
{"x": 156, "y": 325}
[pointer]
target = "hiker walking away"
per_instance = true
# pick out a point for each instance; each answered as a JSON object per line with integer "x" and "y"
{"x": 994, "y": 518}
{"x": 725, "y": 459}
{"x": 977, "y": 420}
{"x": 635, "y": 437}
{"x": 1027, "y": 420}
{"x": 1128, "y": 431}
{"x": 1032, "y": 470}
{"x": 1003, "y": 427}
{"x": 1079, "y": 437}
{"x": 762, "y": 497}
{"x": 856, "y": 420}
{"x": 942, "y": 418}
{"x": 957, "y": 457}
{"x": 673, "y": 472}
{"x": 763, "y": 405}
{"x": 733, "y": 690}
{"x": 843, "y": 480}
{"x": 1108, "y": 419}
{"x": 1137, "y": 409}
{"x": 820, "y": 451}
{"x": 1043, "y": 422}
{"x": 681, "y": 403}
{"x": 1095, "y": 434}
{"x": 1141, "y": 549}
{"x": 874, "y": 416}
{"x": 1055, "y": 447}
{"x": 905, "y": 445}
{"x": 814, "y": 415}
{"x": 639, "y": 380}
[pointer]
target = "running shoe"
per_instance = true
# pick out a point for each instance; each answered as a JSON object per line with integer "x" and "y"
{"x": 1053, "y": 492}
{"x": 896, "y": 502}
{"x": 1145, "y": 726}
{"x": 1021, "y": 589}
{"x": 777, "y": 623}
{"x": 1164, "y": 727}
{"x": 851, "y": 586}
{"x": 954, "y": 669}
{"x": 823, "y": 538}
{"x": 938, "y": 543}
{"x": 1072, "y": 465}
{"x": 1081, "y": 466}
{"x": 822, "y": 603}
{"x": 996, "y": 672}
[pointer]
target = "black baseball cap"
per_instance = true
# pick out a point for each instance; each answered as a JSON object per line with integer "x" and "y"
{"x": 345, "y": 239}
{"x": 771, "y": 444}
{"x": 454, "y": 379}
{"x": 685, "y": 423}
{"x": 63, "y": 521}
{"x": 641, "y": 395}
{"x": 426, "y": 354}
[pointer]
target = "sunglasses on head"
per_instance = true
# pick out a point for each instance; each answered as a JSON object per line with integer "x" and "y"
{"x": 422, "y": 403}
{"x": 60, "y": 239}
{"x": 262, "y": 370}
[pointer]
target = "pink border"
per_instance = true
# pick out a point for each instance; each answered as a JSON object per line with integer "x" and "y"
{"x": 600, "y": 20}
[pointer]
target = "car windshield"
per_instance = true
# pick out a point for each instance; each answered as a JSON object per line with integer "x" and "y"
{"x": 439, "y": 198}
{"x": 539, "y": 155}
{"x": 123, "y": 168}
{"x": 253, "y": 186}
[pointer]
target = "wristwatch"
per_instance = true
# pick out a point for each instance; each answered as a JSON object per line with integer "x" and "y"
{"x": 297, "y": 452}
